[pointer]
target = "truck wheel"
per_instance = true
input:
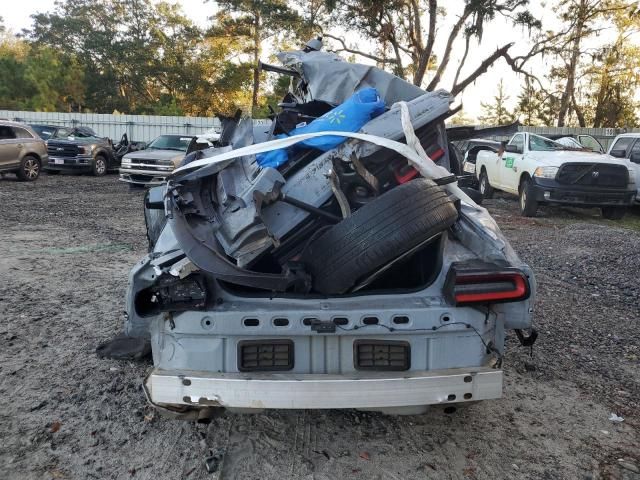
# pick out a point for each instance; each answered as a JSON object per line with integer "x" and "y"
{"x": 485, "y": 187}
{"x": 613, "y": 213}
{"x": 29, "y": 169}
{"x": 99, "y": 166}
{"x": 378, "y": 232}
{"x": 528, "y": 202}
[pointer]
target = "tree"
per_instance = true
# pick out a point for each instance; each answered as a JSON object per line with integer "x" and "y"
{"x": 255, "y": 21}
{"x": 582, "y": 20}
{"x": 496, "y": 113}
{"x": 536, "y": 106}
{"x": 37, "y": 78}
{"x": 141, "y": 56}
{"x": 614, "y": 75}
{"x": 407, "y": 42}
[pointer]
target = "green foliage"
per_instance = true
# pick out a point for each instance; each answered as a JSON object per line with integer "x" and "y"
{"x": 536, "y": 107}
{"x": 38, "y": 78}
{"x": 133, "y": 56}
{"x": 496, "y": 112}
{"x": 252, "y": 22}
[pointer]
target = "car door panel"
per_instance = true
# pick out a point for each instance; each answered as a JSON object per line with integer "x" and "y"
{"x": 511, "y": 165}
{"x": 9, "y": 148}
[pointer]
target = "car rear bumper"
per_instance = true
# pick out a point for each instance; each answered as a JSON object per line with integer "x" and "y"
{"x": 322, "y": 391}
{"x": 552, "y": 192}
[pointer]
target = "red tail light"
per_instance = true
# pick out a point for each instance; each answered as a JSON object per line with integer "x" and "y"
{"x": 479, "y": 285}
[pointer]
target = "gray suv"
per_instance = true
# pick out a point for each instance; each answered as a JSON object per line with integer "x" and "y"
{"x": 22, "y": 151}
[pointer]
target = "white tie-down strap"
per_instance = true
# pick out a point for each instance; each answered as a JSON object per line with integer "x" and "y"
{"x": 426, "y": 167}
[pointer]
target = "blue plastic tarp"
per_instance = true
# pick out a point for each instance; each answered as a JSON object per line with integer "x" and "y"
{"x": 350, "y": 116}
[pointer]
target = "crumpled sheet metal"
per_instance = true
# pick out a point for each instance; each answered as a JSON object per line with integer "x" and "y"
{"x": 331, "y": 79}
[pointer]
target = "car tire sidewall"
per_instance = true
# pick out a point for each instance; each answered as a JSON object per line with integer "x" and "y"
{"x": 613, "y": 213}
{"x": 27, "y": 165}
{"x": 98, "y": 162}
{"x": 526, "y": 199}
{"x": 485, "y": 186}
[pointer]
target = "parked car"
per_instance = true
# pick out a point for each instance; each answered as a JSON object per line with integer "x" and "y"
{"x": 627, "y": 145}
{"x": 160, "y": 157}
{"x": 472, "y": 147}
{"x": 21, "y": 151}
{"x": 542, "y": 171}
{"x": 80, "y": 149}
{"x": 327, "y": 274}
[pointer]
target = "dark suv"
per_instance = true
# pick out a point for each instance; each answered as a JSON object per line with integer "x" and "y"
{"x": 21, "y": 151}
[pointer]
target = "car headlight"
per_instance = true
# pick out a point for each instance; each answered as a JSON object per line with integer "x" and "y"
{"x": 545, "y": 172}
{"x": 82, "y": 150}
{"x": 126, "y": 161}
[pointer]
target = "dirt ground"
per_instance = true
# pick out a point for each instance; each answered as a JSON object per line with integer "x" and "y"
{"x": 66, "y": 245}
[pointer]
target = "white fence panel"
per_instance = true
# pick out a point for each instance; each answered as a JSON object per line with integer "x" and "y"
{"x": 138, "y": 127}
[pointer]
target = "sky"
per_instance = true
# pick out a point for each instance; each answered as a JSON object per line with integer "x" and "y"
{"x": 496, "y": 34}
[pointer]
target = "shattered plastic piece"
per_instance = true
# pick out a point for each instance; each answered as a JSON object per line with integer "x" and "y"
{"x": 615, "y": 418}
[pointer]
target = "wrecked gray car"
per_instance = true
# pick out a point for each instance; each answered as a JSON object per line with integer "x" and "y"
{"x": 360, "y": 276}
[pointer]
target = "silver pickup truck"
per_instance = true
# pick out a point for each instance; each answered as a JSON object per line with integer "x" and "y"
{"x": 360, "y": 276}
{"x": 160, "y": 157}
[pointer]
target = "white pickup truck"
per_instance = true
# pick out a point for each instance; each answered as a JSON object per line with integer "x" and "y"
{"x": 627, "y": 145}
{"x": 541, "y": 171}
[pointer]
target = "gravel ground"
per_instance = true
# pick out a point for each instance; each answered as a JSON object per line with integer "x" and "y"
{"x": 67, "y": 243}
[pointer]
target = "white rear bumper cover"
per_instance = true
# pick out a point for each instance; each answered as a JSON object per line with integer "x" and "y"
{"x": 296, "y": 391}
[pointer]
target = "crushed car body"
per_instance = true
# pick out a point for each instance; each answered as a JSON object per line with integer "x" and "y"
{"x": 357, "y": 276}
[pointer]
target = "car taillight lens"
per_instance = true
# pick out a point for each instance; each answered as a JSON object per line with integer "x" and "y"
{"x": 499, "y": 285}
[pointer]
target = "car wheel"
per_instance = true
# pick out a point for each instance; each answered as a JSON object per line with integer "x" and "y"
{"x": 377, "y": 233}
{"x": 485, "y": 187}
{"x": 528, "y": 202}
{"x": 29, "y": 169}
{"x": 614, "y": 213}
{"x": 99, "y": 167}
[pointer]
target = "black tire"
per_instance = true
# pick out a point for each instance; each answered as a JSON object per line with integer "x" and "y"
{"x": 99, "y": 166}
{"x": 155, "y": 221}
{"x": 53, "y": 172}
{"x": 528, "y": 203}
{"x": 485, "y": 187}
{"x": 613, "y": 213}
{"x": 29, "y": 169}
{"x": 378, "y": 232}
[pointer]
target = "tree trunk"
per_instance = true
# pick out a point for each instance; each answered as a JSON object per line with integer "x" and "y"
{"x": 444, "y": 62}
{"x": 568, "y": 94}
{"x": 428, "y": 50}
{"x": 256, "y": 61}
{"x": 581, "y": 121}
